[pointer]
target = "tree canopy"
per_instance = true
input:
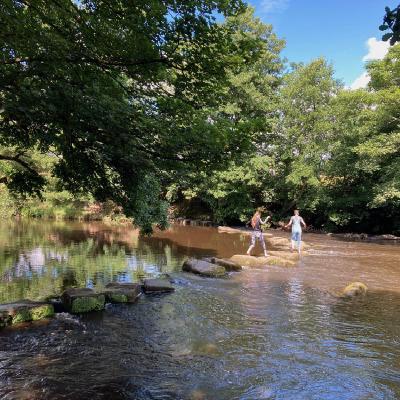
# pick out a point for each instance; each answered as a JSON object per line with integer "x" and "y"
{"x": 147, "y": 103}
{"x": 391, "y": 22}
{"x": 116, "y": 91}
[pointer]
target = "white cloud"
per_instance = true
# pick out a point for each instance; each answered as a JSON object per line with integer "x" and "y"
{"x": 269, "y": 6}
{"x": 360, "y": 82}
{"x": 377, "y": 49}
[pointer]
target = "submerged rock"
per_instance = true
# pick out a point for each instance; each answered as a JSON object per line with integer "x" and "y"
{"x": 287, "y": 255}
{"x": 250, "y": 261}
{"x": 197, "y": 395}
{"x": 203, "y": 268}
{"x": 278, "y": 241}
{"x": 284, "y": 243}
{"x": 24, "y": 311}
{"x": 157, "y": 286}
{"x": 82, "y": 300}
{"x": 116, "y": 292}
{"x": 227, "y": 264}
{"x": 355, "y": 289}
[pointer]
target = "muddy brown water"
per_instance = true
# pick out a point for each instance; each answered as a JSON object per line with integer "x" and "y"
{"x": 269, "y": 333}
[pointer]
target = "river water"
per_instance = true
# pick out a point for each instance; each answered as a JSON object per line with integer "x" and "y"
{"x": 271, "y": 333}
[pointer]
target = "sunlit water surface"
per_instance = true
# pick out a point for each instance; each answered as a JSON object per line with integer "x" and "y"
{"x": 270, "y": 333}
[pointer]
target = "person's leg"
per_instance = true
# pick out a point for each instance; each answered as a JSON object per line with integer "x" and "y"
{"x": 252, "y": 244}
{"x": 292, "y": 242}
{"x": 299, "y": 243}
{"x": 263, "y": 244}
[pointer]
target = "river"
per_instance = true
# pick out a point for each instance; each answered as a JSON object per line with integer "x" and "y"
{"x": 270, "y": 333}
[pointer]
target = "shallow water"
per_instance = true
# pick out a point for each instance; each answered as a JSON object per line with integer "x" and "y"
{"x": 275, "y": 333}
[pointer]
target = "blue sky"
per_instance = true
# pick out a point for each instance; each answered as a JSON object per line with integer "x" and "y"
{"x": 335, "y": 29}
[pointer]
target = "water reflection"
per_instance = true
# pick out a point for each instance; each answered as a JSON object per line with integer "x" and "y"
{"x": 42, "y": 259}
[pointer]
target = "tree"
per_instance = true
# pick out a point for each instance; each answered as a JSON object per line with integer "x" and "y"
{"x": 116, "y": 91}
{"x": 302, "y": 139}
{"x": 248, "y": 113}
{"x": 391, "y": 21}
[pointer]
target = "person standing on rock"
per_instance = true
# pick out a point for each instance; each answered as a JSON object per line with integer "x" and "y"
{"x": 295, "y": 222}
{"x": 257, "y": 233}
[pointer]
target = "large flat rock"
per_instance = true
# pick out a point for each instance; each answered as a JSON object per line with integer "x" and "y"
{"x": 283, "y": 243}
{"x": 229, "y": 265}
{"x": 157, "y": 286}
{"x": 117, "y": 292}
{"x": 287, "y": 255}
{"x": 82, "y": 300}
{"x": 23, "y": 311}
{"x": 257, "y": 262}
{"x": 203, "y": 268}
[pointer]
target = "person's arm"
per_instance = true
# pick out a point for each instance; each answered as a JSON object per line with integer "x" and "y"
{"x": 265, "y": 220}
{"x": 290, "y": 223}
{"x": 304, "y": 224}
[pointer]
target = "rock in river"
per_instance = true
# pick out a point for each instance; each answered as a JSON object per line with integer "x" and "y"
{"x": 229, "y": 265}
{"x": 203, "y": 268}
{"x": 116, "y": 292}
{"x": 82, "y": 300}
{"x": 23, "y": 311}
{"x": 355, "y": 289}
{"x": 250, "y": 261}
{"x": 157, "y": 286}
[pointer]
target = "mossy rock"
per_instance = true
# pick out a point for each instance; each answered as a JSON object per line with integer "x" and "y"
{"x": 116, "y": 292}
{"x": 41, "y": 312}
{"x": 355, "y": 289}
{"x": 118, "y": 298}
{"x": 24, "y": 311}
{"x": 82, "y": 300}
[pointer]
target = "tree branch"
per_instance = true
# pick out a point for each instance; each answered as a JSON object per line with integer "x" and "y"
{"x": 17, "y": 159}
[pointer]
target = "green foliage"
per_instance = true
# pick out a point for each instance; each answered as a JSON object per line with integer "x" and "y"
{"x": 115, "y": 108}
{"x": 332, "y": 152}
{"x": 115, "y": 91}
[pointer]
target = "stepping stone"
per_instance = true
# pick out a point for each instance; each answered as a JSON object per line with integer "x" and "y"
{"x": 23, "y": 311}
{"x": 203, "y": 268}
{"x": 157, "y": 286}
{"x": 288, "y": 255}
{"x": 82, "y": 300}
{"x": 355, "y": 289}
{"x": 227, "y": 264}
{"x": 257, "y": 262}
{"x": 116, "y": 292}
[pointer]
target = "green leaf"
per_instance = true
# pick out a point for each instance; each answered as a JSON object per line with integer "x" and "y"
{"x": 387, "y": 36}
